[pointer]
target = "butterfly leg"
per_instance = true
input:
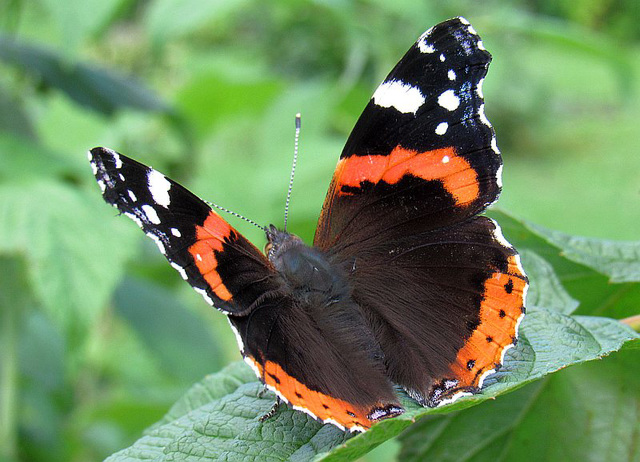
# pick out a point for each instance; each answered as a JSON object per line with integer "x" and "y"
{"x": 263, "y": 392}
{"x": 272, "y": 411}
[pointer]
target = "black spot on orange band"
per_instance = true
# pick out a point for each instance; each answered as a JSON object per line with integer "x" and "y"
{"x": 500, "y": 312}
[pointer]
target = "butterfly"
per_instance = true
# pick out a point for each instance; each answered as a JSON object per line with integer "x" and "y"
{"x": 405, "y": 283}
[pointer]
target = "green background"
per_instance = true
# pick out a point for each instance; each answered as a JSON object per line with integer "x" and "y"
{"x": 99, "y": 336}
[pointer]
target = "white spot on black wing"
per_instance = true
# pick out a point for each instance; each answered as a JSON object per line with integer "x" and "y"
{"x": 442, "y": 128}
{"x": 494, "y": 145}
{"x": 116, "y": 159}
{"x": 204, "y": 294}
{"x": 399, "y": 95}
{"x": 479, "y": 89}
{"x": 238, "y": 338}
{"x": 449, "y": 100}
{"x": 423, "y": 44}
{"x": 483, "y": 117}
{"x": 499, "y": 177}
{"x": 151, "y": 214}
{"x": 158, "y": 242}
{"x": 180, "y": 270}
{"x": 134, "y": 218}
{"x": 499, "y": 237}
{"x": 159, "y": 188}
{"x": 426, "y": 48}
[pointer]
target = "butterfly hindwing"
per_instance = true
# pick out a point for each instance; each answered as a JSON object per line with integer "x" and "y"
{"x": 219, "y": 263}
{"x": 325, "y": 369}
{"x": 446, "y": 306}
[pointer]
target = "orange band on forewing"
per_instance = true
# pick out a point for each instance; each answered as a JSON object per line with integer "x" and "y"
{"x": 322, "y": 406}
{"x": 209, "y": 238}
{"x": 501, "y": 308}
{"x": 455, "y": 173}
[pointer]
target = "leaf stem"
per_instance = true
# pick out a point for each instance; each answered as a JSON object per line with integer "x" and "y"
{"x": 633, "y": 321}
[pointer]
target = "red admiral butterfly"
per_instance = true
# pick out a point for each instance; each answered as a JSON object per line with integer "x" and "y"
{"x": 404, "y": 283}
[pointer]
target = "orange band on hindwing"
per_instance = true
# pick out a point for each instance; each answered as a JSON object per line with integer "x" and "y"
{"x": 501, "y": 311}
{"x": 319, "y": 405}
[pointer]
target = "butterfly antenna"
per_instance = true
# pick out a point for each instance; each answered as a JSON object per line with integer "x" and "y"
{"x": 237, "y": 215}
{"x": 293, "y": 170}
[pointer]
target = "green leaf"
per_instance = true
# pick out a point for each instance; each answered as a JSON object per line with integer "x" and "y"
{"x": 545, "y": 289}
{"x": 21, "y": 158}
{"x": 90, "y": 86}
{"x": 51, "y": 225}
{"x": 219, "y": 416}
{"x": 229, "y": 98}
{"x": 460, "y": 436}
{"x": 214, "y": 386}
{"x": 218, "y": 419}
{"x": 76, "y": 19}
{"x": 588, "y": 412}
{"x": 14, "y": 118}
{"x": 618, "y": 260}
{"x": 168, "y": 19}
{"x": 168, "y": 328}
{"x": 594, "y": 290}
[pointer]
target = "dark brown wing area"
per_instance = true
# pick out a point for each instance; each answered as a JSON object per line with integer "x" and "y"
{"x": 445, "y": 306}
{"x": 321, "y": 360}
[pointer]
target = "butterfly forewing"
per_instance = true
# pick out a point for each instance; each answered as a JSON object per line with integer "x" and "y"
{"x": 224, "y": 267}
{"x": 422, "y": 154}
{"x": 420, "y": 164}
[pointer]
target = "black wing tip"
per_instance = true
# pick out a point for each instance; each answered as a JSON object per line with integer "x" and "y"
{"x": 99, "y": 155}
{"x": 101, "y": 151}
{"x": 456, "y": 32}
{"x": 456, "y": 22}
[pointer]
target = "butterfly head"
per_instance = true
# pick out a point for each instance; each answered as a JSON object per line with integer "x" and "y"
{"x": 278, "y": 242}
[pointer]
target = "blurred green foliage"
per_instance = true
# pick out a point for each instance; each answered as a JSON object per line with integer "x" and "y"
{"x": 98, "y": 336}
